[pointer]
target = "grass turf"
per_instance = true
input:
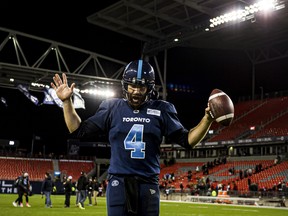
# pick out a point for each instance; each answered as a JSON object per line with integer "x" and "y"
{"x": 166, "y": 208}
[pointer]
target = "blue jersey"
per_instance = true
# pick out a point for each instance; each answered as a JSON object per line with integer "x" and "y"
{"x": 134, "y": 135}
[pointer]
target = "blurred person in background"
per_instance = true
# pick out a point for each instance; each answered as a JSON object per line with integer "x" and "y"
{"x": 90, "y": 190}
{"x": 82, "y": 183}
{"x": 28, "y": 192}
{"x": 95, "y": 190}
{"x": 23, "y": 188}
{"x": 16, "y": 203}
{"x": 67, "y": 184}
{"x": 47, "y": 189}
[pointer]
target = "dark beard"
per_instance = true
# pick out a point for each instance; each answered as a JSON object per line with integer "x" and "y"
{"x": 136, "y": 101}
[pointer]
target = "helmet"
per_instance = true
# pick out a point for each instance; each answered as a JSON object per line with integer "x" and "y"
{"x": 140, "y": 73}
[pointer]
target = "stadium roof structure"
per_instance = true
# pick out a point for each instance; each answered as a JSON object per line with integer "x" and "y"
{"x": 160, "y": 22}
{"x": 28, "y": 59}
{"x": 161, "y": 25}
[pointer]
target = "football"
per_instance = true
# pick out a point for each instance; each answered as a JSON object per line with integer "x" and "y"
{"x": 221, "y": 106}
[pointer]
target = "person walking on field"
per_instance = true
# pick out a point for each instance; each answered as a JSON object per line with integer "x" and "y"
{"x": 18, "y": 202}
{"x": 135, "y": 125}
{"x": 23, "y": 189}
{"x": 95, "y": 190}
{"x": 46, "y": 189}
{"x": 67, "y": 184}
{"x": 82, "y": 183}
{"x": 90, "y": 190}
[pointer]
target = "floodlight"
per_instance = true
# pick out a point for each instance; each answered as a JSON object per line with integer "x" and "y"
{"x": 246, "y": 13}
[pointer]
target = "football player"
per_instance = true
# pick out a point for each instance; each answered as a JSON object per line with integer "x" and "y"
{"x": 135, "y": 125}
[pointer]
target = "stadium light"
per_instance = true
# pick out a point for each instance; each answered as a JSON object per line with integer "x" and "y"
{"x": 246, "y": 13}
{"x": 93, "y": 90}
{"x": 39, "y": 85}
{"x": 98, "y": 88}
{"x": 99, "y": 92}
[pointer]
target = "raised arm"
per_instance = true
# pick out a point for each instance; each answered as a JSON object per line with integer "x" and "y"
{"x": 197, "y": 133}
{"x": 64, "y": 93}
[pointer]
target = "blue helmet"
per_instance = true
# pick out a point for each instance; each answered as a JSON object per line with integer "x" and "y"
{"x": 140, "y": 73}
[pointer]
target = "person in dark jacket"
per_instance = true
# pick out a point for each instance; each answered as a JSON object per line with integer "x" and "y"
{"x": 16, "y": 185}
{"x": 68, "y": 191}
{"x": 28, "y": 192}
{"x": 23, "y": 188}
{"x": 95, "y": 190}
{"x": 47, "y": 189}
{"x": 81, "y": 187}
{"x": 90, "y": 190}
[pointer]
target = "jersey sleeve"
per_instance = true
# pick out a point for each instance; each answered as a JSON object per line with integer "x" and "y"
{"x": 171, "y": 120}
{"x": 102, "y": 118}
{"x": 175, "y": 131}
{"x": 96, "y": 124}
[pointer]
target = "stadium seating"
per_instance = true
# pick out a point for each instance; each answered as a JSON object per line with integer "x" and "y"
{"x": 74, "y": 168}
{"x": 11, "y": 167}
{"x": 277, "y": 127}
{"x": 270, "y": 174}
{"x": 257, "y": 114}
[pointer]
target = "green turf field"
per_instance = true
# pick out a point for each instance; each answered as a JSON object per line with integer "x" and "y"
{"x": 167, "y": 208}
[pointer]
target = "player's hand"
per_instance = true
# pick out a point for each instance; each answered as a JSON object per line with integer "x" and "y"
{"x": 208, "y": 113}
{"x": 63, "y": 91}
